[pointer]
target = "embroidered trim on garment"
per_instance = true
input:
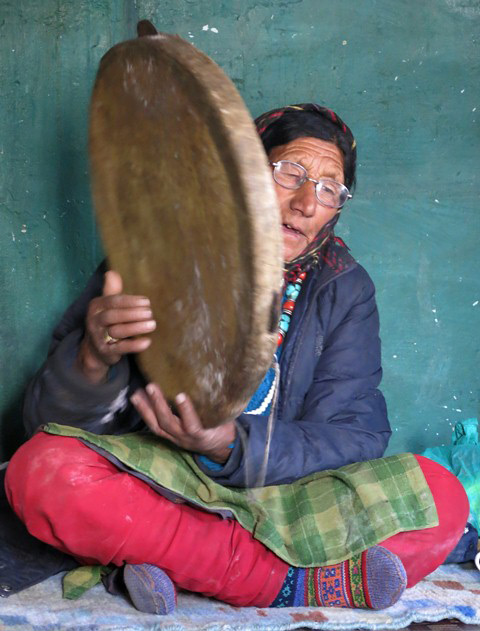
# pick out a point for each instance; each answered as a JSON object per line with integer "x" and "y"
{"x": 261, "y": 401}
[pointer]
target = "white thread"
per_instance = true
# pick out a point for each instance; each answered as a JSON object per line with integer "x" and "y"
{"x": 271, "y": 422}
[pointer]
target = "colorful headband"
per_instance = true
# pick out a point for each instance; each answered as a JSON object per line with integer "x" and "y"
{"x": 265, "y": 120}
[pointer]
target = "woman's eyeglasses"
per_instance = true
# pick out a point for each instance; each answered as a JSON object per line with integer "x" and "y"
{"x": 292, "y": 175}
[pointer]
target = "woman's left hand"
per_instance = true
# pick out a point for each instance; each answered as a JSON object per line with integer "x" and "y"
{"x": 184, "y": 430}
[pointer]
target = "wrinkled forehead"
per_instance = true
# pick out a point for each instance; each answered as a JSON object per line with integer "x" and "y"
{"x": 321, "y": 158}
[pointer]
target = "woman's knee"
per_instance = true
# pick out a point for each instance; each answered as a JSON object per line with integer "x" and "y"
{"x": 449, "y": 495}
{"x": 43, "y": 479}
{"x": 422, "y": 551}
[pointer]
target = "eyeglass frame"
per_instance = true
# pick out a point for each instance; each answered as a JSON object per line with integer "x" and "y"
{"x": 309, "y": 179}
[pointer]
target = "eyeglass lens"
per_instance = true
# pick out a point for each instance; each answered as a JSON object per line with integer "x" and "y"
{"x": 293, "y": 175}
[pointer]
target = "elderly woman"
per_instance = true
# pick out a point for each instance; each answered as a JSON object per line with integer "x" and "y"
{"x": 330, "y": 413}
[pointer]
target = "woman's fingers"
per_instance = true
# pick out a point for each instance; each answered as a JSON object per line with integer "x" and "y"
{"x": 117, "y": 324}
{"x": 156, "y": 413}
{"x": 165, "y": 417}
{"x": 122, "y": 331}
{"x": 184, "y": 430}
{"x": 186, "y": 427}
{"x": 107, "y": 317}
{"x": 145, "y": 408}
{"x": 190, "y": 420}
{"x": 121, "y": 347}
{"x": 112, "y": 297}
{"x": 121, "y": 301}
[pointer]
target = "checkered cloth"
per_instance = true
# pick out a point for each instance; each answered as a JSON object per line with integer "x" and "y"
{"x": 322, "y": 519}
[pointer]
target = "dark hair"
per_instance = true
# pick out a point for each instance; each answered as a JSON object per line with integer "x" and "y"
{"x": 299, "y": 124}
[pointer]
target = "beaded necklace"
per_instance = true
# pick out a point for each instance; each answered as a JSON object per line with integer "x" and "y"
{"x": 288, "y": 305}
{"x": 261, "y": 401}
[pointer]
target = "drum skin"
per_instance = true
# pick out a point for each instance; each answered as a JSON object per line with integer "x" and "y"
{"x": 188, "y": 215}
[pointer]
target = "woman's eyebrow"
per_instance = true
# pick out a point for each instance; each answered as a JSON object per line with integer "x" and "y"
{"x": 332, "y": 174}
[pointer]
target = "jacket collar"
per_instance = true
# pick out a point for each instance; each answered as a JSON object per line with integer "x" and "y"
{"x": 335, "y": 261}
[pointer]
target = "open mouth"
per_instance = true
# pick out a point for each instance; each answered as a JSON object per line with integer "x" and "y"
{"x": 291, "y": 230}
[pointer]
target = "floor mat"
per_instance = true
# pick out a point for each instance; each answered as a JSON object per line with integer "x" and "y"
{"x": 453, "y": 591}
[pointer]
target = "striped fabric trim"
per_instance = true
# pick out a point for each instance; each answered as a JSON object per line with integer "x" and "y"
{"x": 267, "y": 400}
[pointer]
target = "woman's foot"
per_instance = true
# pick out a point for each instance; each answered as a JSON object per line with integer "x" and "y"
{"x": 150, "y": 589}
{"x": 374, "y": 579}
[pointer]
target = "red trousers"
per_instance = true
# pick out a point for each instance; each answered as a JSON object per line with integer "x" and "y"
{"x": 77, "y": 501}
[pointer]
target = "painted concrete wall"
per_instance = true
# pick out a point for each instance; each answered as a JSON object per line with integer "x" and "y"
{"x": 403, "y": 73}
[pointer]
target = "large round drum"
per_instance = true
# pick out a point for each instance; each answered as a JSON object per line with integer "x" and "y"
{"x": 188, "y": 214}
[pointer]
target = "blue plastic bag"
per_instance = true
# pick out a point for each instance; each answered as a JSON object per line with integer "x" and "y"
{"x": 462, "y": 458}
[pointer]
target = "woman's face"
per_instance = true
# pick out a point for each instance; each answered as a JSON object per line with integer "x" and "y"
{"x": 302, "y": 215}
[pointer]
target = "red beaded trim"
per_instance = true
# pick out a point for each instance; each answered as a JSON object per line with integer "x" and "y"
{"x": 289, "y": 305}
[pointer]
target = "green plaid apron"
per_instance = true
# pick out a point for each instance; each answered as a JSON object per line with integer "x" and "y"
{"x": 321, "y": 519}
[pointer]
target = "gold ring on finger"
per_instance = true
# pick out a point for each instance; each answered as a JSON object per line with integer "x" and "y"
{"x": 108, "y": 339}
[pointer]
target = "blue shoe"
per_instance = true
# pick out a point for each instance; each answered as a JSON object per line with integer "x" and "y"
{"x": 150, "y": 589}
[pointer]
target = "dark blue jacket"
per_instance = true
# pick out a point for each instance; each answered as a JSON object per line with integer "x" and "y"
{"x": 330, "y": 412}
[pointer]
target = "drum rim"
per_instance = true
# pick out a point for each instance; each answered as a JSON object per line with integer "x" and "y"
{"x": 236, "y": 129}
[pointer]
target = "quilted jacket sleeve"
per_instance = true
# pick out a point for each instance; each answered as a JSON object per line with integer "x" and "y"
{"x": 340, "y": 415}
{"x": 59, "y": 392}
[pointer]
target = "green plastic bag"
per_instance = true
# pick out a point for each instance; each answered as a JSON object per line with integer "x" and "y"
{"x": 462, "y": 458}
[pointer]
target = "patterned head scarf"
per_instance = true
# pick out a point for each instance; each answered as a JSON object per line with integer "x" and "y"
{"x": 313, "y": 252}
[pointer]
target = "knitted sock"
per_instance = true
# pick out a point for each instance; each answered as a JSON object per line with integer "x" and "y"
{"x": 373, "y": 579}
{"x": 150, "y": 589}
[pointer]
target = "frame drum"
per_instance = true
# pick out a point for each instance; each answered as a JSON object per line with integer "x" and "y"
{"x": 188, "y": 214}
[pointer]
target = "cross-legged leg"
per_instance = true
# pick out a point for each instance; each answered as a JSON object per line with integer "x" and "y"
{"x": 77, "y": 501}
{"x": 422, "y": 551}
{"x": 74, "y": 499}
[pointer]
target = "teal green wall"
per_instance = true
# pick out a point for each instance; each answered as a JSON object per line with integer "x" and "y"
{"x": 403, "y": 73}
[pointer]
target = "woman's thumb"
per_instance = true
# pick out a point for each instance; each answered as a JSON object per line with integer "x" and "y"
{"x": 113, "y": 283}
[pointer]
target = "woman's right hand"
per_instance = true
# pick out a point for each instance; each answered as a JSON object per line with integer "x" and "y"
{"x": 116, "y": 324}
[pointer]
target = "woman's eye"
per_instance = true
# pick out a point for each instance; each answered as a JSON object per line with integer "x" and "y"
{"x": 291, "y": 178}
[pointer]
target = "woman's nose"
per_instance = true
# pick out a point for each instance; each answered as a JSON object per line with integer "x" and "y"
{"x": 304, "y": 199}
